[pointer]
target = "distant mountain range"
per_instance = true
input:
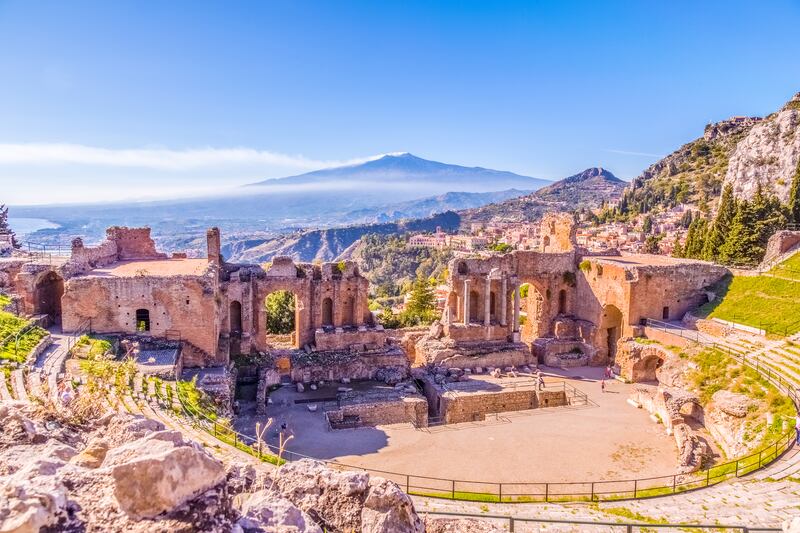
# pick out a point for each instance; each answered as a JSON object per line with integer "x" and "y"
{"x": 587, "y": 189}
{"x": 406, "y": 170}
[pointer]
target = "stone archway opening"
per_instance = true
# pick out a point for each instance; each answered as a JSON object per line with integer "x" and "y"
{"x": 47, "y": 296}
{"x": 235, "y": 317}
{"x": 611, "y": 329}
{"x": 327, "y": 312}
{"x": 473, "y": 306}
{"x": 280, "y": 308}
{"x": 142, "y": 320}
{"x": 562, "y": 302}
{"x": 645, "y": 369}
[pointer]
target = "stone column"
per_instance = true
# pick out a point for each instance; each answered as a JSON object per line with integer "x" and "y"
{"x": 503, "y": 301}
{"x": 466, "y": 302}
{"x": 487, "y": 303}
{"x": 516, "y": 308}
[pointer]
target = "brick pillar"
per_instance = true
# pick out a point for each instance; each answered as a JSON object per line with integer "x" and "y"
{"x": 466, "y": 302}
{"x": 487, "y": 303}
{"x": 516, "y": 308}
{"x": 503, "y": 302}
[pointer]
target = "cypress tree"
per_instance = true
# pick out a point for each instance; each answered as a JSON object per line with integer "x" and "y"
{"x": 677, "y": 250}
{"x": 5, "y": 228}
{"x": 794, "y": 197}
{"x": 742, "y": 245}
{"x": 722, "y": 224}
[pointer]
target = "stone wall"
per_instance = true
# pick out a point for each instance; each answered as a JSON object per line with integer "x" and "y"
{"x": 406, "y": 410}
{"x": 779, "y": 244}
{"x": 133, "y": 243}
{"x": 185, "y": 304}
{"x": 335, "y": 366}
{"x": 456, "y": 407}
{"x": 339, "y": 338}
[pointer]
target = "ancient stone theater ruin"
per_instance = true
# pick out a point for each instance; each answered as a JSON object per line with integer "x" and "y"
{"x": 505, "y": 314}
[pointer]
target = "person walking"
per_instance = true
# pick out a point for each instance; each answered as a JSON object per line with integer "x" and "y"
{"x": 540, "y": 381}
{"x": 602, "y": 385}
{"x": 797, "y": 429}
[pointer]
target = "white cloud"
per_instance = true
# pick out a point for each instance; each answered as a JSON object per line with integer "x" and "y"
{"x": 49, "y": 154}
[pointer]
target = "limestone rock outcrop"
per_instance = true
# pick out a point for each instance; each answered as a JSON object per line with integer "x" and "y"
{"x": 725, "y": 419}
{"x": 262, "y": 511}
{"x": 154, "y": 475}
{"x": 768, "y": 155}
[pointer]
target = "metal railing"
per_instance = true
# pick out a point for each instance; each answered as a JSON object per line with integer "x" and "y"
{"x": 629, "y": 527}
{"x": 525, "y": 492}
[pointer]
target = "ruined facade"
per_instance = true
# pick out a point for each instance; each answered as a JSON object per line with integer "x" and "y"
{"x": 124, "y": 285}
{"x": 562, "y": 302}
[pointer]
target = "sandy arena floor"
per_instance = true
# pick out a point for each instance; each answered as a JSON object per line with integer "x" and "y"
{"x": 608, "y": 440}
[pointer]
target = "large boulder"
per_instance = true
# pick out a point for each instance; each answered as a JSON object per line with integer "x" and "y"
{"x": 27, "y": 505}
{"x": 333, "y": 499}
{"x": 155, "y": 475}
{"x": 263, "y": 511}
{"x": 388, "y": 509}
{"x": 732, "y": 403}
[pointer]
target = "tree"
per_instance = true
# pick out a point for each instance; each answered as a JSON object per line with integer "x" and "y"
{"x": 677, "y": 250}
{"x": 647, "y": 225}
{"x": 5, "y": 229}
{"x": 651, "y": 244}
{"x": 721, "y": 226}
{"x": 794, "y": 197}
{"x": 421, "y": 307}
{"x": 280, "y": 312}
{"x": 741, "y": 247}
{"x": 695, "y": 239}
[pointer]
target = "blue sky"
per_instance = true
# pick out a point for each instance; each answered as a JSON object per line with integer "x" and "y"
{"x": 142, "y": 98}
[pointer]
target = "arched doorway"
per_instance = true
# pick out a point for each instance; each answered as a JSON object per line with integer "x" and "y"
{"x": 473, "y": 306}
{"x": 349, "y": 311}
{"x": 327, "y": 312}
{"x": 235, "y": 316}
{"x": 611, "y": 329}
{"x": 280, "y": 308}
{"x": 562, "y": 302}
{"x": 492, "y": 306}
{"x": 47, "y": 297}
{"x": 142, "y": 320}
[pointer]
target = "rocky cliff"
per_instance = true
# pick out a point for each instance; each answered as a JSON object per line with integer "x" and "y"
{"x": 742, "y": 151}
{"x": 768, "y": 155}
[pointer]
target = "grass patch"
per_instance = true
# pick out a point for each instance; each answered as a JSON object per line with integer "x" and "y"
{"x": 764, "y": 302}
{"x": 17, "y": 349}
{"x": 788, "y": 269}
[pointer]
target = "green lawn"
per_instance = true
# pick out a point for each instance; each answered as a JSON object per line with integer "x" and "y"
{"x": 789, "y": 268}
{"x": 16, "y": 349}
{"x": 764, "y": 302}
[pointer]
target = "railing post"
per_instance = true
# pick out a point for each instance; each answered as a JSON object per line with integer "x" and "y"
{"x": 737, "y": 468}
{"x": 629, "y": 528}
{"x": 511, "y": 523}
{"x": 408, "y": 483}
{"x": 635, "y": 487}
{"x": 453, "y": 490}
{"x": 674, "y": 481}
{"x": 500, "y": 492}
{"x": 546, "y": 491}
{"x": 591, "y": 498}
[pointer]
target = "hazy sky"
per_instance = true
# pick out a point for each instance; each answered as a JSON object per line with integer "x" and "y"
{"x": 117, "y": 99}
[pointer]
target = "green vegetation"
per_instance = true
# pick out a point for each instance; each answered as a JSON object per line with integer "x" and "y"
{"x": 766, "y": 302}
{"x": 788, "y": 269}
{"x": 93, "y": 347}
{"x": 198, "y": 402}
{"x": 18, "y": 336}
{"x": 500, "y": 247}
{"x": 280, "y": 309}
{"x": 5, "y": 228}
{"x": 585, "y": 265}
{"x": 794, "y": 193}
{"x": 739, "y": 233}
{"x": 716, "y": 370}
{"x": 420, "y": 309}
{"x": 392, "y": 267}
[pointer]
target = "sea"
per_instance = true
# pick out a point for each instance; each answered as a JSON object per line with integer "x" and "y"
{"x": 25, "y": 226}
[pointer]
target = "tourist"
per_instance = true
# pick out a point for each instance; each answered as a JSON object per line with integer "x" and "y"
{"x": 540, "y": 380}
{"x": 609, "y": 372}
{"x": 797, "y": 428}
{"x": 602, "y": 385}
